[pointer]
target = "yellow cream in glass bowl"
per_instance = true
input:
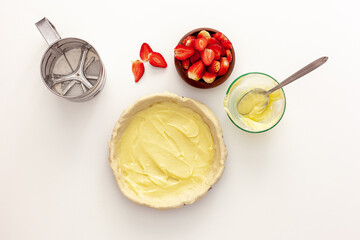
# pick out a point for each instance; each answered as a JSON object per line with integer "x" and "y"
{"x": 256, "y": 118}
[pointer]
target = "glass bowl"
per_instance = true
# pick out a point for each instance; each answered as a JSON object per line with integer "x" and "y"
{"x": 243, "y": 84}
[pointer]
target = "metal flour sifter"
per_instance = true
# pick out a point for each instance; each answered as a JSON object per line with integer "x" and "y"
{"x": 71, "y": 68}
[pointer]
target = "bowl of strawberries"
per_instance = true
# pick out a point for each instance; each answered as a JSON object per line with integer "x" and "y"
{"x": 204, "y": 58}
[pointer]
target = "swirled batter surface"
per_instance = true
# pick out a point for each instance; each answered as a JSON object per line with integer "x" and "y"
{"x": 165, "y": 150}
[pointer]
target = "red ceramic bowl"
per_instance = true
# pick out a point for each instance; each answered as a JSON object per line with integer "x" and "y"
{"x": 201, "y": 84}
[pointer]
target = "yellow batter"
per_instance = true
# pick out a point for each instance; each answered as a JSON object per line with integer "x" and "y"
{"x": 165, "y": 150}
{"x": 253, "y": 105}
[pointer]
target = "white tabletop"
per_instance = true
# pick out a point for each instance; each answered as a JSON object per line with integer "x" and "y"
{"x": 300, "y": 180}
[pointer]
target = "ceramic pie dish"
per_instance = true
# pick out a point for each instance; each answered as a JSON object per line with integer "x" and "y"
{"x": 166, "y": 151}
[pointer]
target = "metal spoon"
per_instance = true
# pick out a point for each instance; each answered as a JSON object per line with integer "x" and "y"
{"x": 305, "y": 70}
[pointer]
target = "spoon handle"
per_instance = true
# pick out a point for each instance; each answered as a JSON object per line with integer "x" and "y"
{"x": 305, "y": 70}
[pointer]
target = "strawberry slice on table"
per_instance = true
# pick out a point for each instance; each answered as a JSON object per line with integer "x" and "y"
{"x": 137, "y": 69}
{"x": 196, "y": 57}
{"x": 183, "y": 52}
{"x": 196, "y": 70}
{"x": 200, "y": 44}
{"x": 209, "y": 77}
{"x": 217, "y": 48}
{"x": 207, "y": 56}
{"x": 189, "y": 41}
{"x": 224, "y": 66}
{"x": 229, "y": 55}
{"x": 185, "y": 64}
{"x": 214, "y": 67}
{"x": 145, "y": 50}
{"x": 157, "y": 60}
{"x": 204, "y": 34}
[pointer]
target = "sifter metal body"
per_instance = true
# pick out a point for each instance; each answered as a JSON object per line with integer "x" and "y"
{"x": 71, "y": 68}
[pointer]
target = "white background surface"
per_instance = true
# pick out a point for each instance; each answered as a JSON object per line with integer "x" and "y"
{"x": 298, "y": 181}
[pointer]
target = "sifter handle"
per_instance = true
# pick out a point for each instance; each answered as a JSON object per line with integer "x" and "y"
{"x": 48, "y": 31}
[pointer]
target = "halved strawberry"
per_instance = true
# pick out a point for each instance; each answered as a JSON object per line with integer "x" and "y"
{"x": 226, "y": 44}
{"x": 223, "y": 51}
{"x": 183, "y": 52}
{"x": 207, "y": 56}
{"x": 209, "y": 77}
{"x": 213, "y": 40}
{"x": 196, "y": 70}
{"x": 219, "y": 36}
{"x": 224, "y": 66}
{"x": 217, "y": 50}
{"x": 196, "y": 57}
{"x": 204, "y": 34}
{"x": 189, "y": 41}
{"x": 137, "y": 69}
{"x": 214, "y": 67}
{"x": 157, "y": 60}
{"x": 185, "y": 64}
{"x": 229, "y": 55}
{"x": 200, "y": 44}
{"x": 145, "y": 50}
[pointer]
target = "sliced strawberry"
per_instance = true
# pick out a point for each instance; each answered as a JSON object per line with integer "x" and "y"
{"x": 204, "y": 34}
{"x": 213, "y": 41}
{"x": 214, "y": 67}
{"x": 137, "y": 69}
{"x": 145, "y": 50}
{"x": 209, "y": 77}
{"x": 224, "y": 66}
{"x": 196, "y": 70}
{"x": 157, "y": 60}
{"x": 229, "y": 55}
{"x": 200, "y": 44}
{"x": 189, "y": 41}
{"x": 226, "y": 44}
{"x": 217, "y": 50}
{"x": 207, "y": 56}
{"x": 219, "y": 36}
{"x": 223, "y": 52}
{"x": 185, "y": 64}
{"x": 196, "y": 57}
{"x": 183, "y": 52}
